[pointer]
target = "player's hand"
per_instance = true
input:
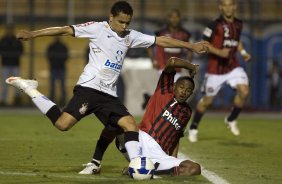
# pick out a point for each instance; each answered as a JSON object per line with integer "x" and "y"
{"x": 201, "y": 47}
{"x": 194, "y": 71}
{"x": 24, "y": 35}
{"x": 247, "y": 57}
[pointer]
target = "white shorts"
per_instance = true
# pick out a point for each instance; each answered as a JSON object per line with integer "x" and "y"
{"x": 152, "y": 150}
{"x": 213, "y": 83}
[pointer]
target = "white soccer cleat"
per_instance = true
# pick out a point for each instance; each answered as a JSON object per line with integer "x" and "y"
{"x": 24, "y": 85}
{"x": 90, "y": 168}
{"x": 233, "y": 126}
{"x": 193, "y": 135}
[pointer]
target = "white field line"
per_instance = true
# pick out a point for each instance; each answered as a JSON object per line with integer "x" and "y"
{"x": 48, "y": 175}
{"x": 209, "y": 175}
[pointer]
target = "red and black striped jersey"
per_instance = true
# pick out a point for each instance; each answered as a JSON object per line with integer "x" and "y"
{"x": 223, "y": 34}
{"x": 163, "y": 54}
{"x": 165, "y": 119}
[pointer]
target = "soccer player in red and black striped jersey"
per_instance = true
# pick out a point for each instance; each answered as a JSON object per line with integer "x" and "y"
{"x": 175, "y": 30}
{"x": 160, "y": 56}
{"x": 223, "y": 66}
{"x": 163, "y": 124}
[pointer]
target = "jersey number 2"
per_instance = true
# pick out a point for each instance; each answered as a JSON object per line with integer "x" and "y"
{"x": 226, "y": 32}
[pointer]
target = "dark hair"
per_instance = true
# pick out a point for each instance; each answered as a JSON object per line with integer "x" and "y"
{"x": 121, "y": 6}
{"x": 175, "y": 11}
{"x": 186, "y": 78}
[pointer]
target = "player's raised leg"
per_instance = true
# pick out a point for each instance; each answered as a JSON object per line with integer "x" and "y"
{"x": 201, "y": 108}
{"x": 62, "y": 121}
{"x": 239, "y": 102}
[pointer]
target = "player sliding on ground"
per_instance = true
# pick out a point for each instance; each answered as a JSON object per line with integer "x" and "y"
{"x": 95, "y": 91}
{"x": 167, "y": 114}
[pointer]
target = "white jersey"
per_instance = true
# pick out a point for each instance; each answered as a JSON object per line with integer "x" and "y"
{"x": 107, "y": 53}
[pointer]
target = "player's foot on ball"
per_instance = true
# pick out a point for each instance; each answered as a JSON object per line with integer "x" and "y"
{"x": 90, "y": 168}
{"x": 193, "y": 135}
{"x": 233, "y": 126}
{"x": 22, "y": 84}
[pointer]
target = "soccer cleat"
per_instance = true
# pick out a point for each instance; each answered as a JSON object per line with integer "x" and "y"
{"x": 233, "y": 126}
{"x": 90, "y": 168}
{"x": 193, "y": 135}
{"x": 24, "y": 85}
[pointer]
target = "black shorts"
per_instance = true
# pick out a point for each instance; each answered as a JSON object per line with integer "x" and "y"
{"x": 85, "y": 101}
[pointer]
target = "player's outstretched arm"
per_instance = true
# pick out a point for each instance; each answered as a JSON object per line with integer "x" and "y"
{"x": 224, "y": 52}
{"x": 51, "y": 31}
{"x": 175, "y": 62}
{"x": 200, "y": 47}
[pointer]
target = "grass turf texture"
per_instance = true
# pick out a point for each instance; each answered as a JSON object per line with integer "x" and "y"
{"x": 32, "y": 151}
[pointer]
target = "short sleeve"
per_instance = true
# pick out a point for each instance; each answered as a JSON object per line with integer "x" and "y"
{"x": 87, "y": 30}
{"x": 140, "y": 40}
{"x": 208, "y": 31}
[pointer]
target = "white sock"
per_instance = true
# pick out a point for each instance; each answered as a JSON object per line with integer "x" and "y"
{"x": 42, "y": 102}
{"x": 33, "y": 93}
{"x": 133, "y": 149}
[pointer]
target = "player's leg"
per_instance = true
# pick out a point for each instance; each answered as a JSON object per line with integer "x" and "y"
{"x": 239, "y": 81}
{"x": 204, "y": 103}
{"x": 210, "y": 87}
{"x": 238, "y": 104}
{"x": 239, "y": 101}
{"x": 94, "y": 166}
{"x": 131, "y": 136}
{"x": 165, "y": 164}
{"x": 185, "y": 168}
{"x": 62, "y": 121}
{"x": 188, "y": 168}
{"x": 112, "y": 112}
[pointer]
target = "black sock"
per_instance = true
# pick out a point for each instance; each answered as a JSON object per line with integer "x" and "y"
{"x": 100, "y": 149}
{"x": 54, "y": 113}
{"x": 234, "y": 113}
{"x": 196, "y": 120}
{"x": 96, "y": 162}
{"x": 131, "y": 136}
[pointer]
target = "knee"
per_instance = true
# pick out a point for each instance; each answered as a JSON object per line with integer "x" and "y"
{"x": 128, "y": 124}
{"x": 62, "y": 126}
{"x": 244, "y": 93}
{"x": 195, "y": 169}
{"x": 189, "y": 168}
{"x": 205, "y": 102}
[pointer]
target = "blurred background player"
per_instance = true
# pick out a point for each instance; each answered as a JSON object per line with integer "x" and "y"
{"x": 58, "y": 54}
{"x": 162, "y": 126}
{"x": 223, "y": 66}
{"x": 159, "y": 55}
{"x": 172, "y": 29}
{"x": 11, "y": 49}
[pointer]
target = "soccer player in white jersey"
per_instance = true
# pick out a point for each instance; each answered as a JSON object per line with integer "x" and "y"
{"x": 95, "y": 91}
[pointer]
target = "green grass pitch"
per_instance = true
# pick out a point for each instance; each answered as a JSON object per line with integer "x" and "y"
{"x": 32, "y": 151}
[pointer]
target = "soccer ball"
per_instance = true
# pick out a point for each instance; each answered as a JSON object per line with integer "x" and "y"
{"x": 141, "y": 168}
